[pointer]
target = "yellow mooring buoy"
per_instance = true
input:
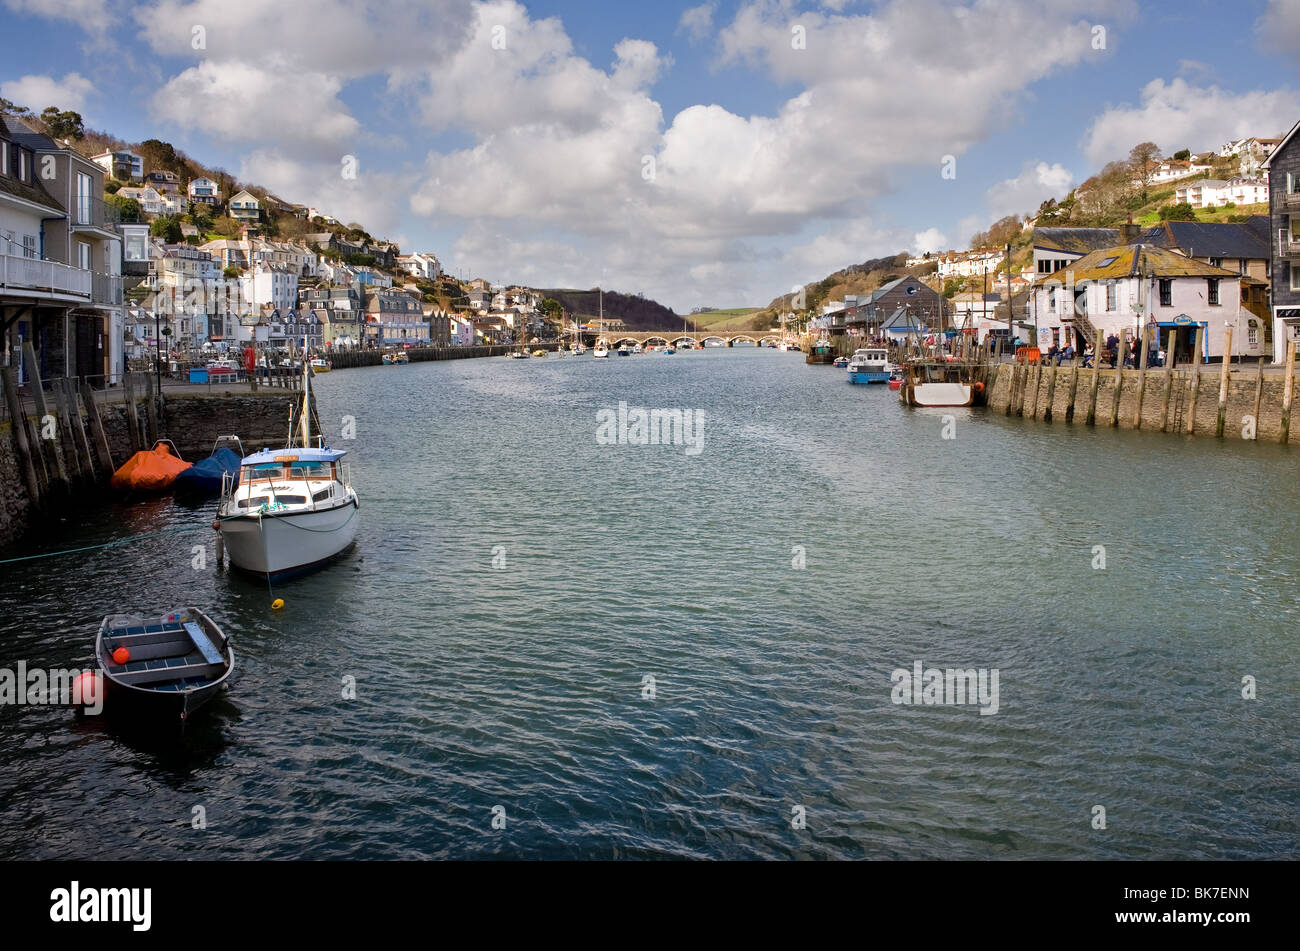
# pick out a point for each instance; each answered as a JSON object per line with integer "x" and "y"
{"x": 277, "y": 604}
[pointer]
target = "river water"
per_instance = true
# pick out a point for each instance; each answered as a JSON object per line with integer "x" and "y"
{"x": 640, "y": 651}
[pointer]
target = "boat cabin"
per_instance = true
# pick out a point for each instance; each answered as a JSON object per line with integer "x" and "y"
{"x": 281, "y": 478}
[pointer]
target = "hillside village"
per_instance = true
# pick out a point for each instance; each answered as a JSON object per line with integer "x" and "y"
{"x": 109, "y": 253}
{"x": 1188, "y": 240}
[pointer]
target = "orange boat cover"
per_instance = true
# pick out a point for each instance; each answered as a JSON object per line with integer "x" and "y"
{"x": 150, "y": 471}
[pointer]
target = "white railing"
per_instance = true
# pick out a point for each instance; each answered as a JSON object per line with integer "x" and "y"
{"x": 35, "y": 274}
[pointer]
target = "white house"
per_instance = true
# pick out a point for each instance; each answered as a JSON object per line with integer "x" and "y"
{"x": 149, "y": 198}
{"x": 1214, "y": 193}
{"x": 245, "y": 207}
{"x": 271, "y": 287}
{"x": 1118, "y": 290}
{"x": 421, "y": 265}
{"x": 122, "y": 165}
{"x": 204, "y": 191}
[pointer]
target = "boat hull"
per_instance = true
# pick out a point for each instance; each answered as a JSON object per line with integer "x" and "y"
{"x": 940, "y": 394}
{"x": 277, "y": 544}
{"x": 868, "y": 376}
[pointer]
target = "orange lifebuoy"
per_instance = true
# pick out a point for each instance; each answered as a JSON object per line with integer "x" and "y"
{"x": 979, "y": 387}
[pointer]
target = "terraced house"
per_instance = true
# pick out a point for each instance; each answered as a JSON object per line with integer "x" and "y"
{"x": 1283, "y": 165}
{"x": 60, "y": 259}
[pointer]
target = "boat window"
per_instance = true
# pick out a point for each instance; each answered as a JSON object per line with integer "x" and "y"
{"x": 321, "y": 495}
{"x": 254, "y": 502}
{"x": 292, "y": 499}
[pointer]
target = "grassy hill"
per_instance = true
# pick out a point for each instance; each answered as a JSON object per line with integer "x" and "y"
{"x": 639, "y": 313}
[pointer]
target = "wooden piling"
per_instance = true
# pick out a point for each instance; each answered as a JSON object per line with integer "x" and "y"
{"x": 42, "y": 411}
{"x": 1074, "y": 392}
{"x": 97, "y": 428}
{"x": 1223, "y": 381}
{"x": 79, "y": 427}
{"x": 1196, "y": 381}
{"x": 1288, "y": 387}
{"x": 1091, "y": 419}
{"x": 1051, "y": 392}
{"x": 1119, "y": 385}
{"x": 1259, "y": 395}
{"x": 1142, "y": 377}
{"x": 65, "y": 420}
{"x": 1169, "y": 388}
{"x": 151, "y": 409}
{"x": 9, "y": 382}
{"x": 132, "y": 418}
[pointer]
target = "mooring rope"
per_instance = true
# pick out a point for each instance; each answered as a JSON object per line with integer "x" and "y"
{"x": 175, "y": 529}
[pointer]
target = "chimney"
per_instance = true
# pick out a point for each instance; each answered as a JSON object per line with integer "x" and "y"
{"x": 1128, "y": 232}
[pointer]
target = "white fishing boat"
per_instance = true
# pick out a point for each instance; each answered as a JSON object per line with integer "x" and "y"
{"x": 292, "y": 509}
{"x": 870, "y": 365}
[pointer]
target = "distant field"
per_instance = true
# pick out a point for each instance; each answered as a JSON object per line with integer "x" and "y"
{"x": 733, "y": 316}
{"x": 1210, "y": 214}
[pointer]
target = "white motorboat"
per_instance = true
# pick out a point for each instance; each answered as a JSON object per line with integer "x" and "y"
{"x": 870, "y": 365}
{"x": 602, "y": 350}
{"x": 291, "y": 509}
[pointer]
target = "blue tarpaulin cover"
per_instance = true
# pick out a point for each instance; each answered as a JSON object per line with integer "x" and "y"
{"x": 205, "y": 476}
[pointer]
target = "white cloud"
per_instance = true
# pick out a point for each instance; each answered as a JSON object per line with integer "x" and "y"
{"x": 697, "y": 22}
{"x": 1178, "y": 115}
{"x": 1278, "y": 29}
{"x": 271, "y": 102}
{"x": 1024, "y": 193}
{"x": 91, "y": 15}
{"x": 37, "y": 92}
{"x": 345, "y": 38}
{"x": 931, "y": 240}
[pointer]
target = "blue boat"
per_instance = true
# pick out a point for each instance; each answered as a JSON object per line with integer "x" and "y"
{"x": 206, "y": 477}
{"x": 869, "y": 366}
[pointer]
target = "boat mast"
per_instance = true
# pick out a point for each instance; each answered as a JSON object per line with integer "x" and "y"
{"x": 304, "y": 422}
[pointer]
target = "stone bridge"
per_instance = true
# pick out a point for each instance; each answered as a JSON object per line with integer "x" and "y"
{"x": 699, "y": 337}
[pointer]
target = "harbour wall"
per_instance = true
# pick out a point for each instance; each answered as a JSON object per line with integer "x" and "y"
{"x": 1181, "y": 400}
{"x": 61, "y": 461}
{"x": 345, "y": 359}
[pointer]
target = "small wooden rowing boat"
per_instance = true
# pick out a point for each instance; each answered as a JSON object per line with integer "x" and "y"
{"x": 176, "y": 663}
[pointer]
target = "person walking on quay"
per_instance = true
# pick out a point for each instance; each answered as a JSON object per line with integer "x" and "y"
{"x": 1112, "y": 349}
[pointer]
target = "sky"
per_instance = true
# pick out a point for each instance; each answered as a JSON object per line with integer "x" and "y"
{"x": 705, "y": 155}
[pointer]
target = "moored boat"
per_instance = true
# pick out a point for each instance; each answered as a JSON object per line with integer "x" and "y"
{"x": 840, "y": 363}
{"x": 208, "y": 475}
{"x": 602, "y": 350}
{"x": 821, "y": 352}
{"x": 175, "y": 664}
{"x": 319, "y": 366}
{"x": 293, "y": 509}
{"x": 153, "y": 470}
{"x": 869, "y": 365}
{"x": 941, "y": 383}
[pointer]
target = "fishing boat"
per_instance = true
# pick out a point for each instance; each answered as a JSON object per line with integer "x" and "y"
{"x": 821, "y": 352}
{"x": 539, "y": 353}
{"x": 387, "y": 359}
{"x": 623, "y": 351}
{"x": 319, "y": 366}
{"x": 175, "y": 664}
{"x": 941, "y": 383}
{"x": 207, "y": 475}
{"x": 638, "y": 349}
{"x": 869, "y": 366}
{"x": 292, "y": 509}
{"x": 152, "y": 470}
{"x": 401, "y": 358}
{"x": 896, "y": 378}
{"x": 840, "y": 363}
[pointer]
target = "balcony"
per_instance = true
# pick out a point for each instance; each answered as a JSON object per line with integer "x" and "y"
{"x": 93, "y": 213}
{"x": 33, "y": 277}
{"x": 106, "y": 289}
{"x": 1291, "y": 199}
{"x": 1288, "y": 245}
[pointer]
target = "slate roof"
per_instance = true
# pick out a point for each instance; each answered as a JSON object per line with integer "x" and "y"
{"x": 1075, "y": 240}
{"x": 1132, "y": 260}
{"x": 33, "y": 192}
{"x": 1204, "y": 239}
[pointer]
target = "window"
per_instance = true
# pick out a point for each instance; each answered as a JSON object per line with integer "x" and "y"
{"x": 1295, "y": 277}
{"x": 1166, "y": 292}
{"x": 1051, "y": 300}
{"x": 83, "y": 255}
{"x": 5, "y": 147}
{"x": 29, "y": 245}
{"x": 24, "y": 166}
{"x": 1213, "y": 290}
{"x": 1111, "y": 294}
{"x": 1216, "y": 262}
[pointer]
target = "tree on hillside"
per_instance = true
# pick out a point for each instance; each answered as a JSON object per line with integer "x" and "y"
{"x": 1001, "y": 232}
{"x": 128, "y": 208}
{"x": 8, "y": 108}
{"x": 1183, "y": 154}
{"x": 1144, "y": 158}
{"x": 1179, "y": 212}
{"x": 167, "y": 227}
{"x": 62, "y": 125}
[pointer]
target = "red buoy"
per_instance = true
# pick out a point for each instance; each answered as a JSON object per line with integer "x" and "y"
{"x": 121, "y": 655}
{"x": 86, "y": 689}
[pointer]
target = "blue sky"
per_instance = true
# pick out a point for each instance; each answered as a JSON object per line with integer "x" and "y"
{"x": 696, "y": 153}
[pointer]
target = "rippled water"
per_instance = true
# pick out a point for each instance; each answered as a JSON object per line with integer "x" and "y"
{"x": 524, "y": 686}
